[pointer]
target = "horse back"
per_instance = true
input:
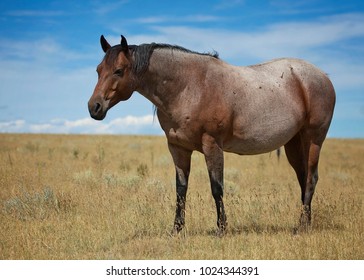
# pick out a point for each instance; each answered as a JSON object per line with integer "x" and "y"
{"x": 273, "y": 101}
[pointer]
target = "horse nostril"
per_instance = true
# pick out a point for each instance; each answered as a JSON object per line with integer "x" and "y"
{"x": 97, "y": 107}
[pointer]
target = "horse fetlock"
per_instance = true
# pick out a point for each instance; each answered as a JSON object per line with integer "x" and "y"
{"x": 304, "y": 224}
{"x": 305, "y": 220}
{"x": 305, "y": 215}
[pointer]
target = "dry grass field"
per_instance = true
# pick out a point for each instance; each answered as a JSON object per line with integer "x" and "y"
{"x": 113, "y": 197}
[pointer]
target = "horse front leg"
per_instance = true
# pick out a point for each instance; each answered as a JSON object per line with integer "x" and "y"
{"x": 214, "y": 158}
{"x": 182, "y": 162}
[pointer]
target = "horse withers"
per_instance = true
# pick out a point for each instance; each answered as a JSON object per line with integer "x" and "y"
{"x": 206, "y": 105}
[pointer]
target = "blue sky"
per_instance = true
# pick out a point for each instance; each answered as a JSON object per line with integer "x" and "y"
{"x": 49, "y": 51}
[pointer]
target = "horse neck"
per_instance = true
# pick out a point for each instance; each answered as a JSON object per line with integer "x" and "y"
{"x": 168, "y": 75}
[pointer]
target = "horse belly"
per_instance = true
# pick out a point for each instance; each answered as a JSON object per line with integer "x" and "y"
{"x": 258, "y": 138}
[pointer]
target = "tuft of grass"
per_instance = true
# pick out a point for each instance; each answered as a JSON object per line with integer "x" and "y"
{"x": 142, "y": 170}
{"x": 32, "y": 206}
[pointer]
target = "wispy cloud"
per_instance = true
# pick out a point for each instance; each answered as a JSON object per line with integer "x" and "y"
{"x": 39, "y": 52}
{"x": 287, "y": 37}
{"x": 178, "y": 19}
{"x": 35, "y": 13}
{"x": 105, "y": 7}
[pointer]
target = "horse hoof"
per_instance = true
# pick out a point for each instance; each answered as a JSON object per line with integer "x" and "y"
{"x": 220, "y": 232}
{"x": 176, "y": 230}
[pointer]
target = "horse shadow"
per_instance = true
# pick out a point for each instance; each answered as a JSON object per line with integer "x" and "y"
{"x": 238, "y": 230}
{"x": 273, "y": 229}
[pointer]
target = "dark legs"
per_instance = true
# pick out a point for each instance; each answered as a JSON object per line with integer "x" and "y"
{"x": 214, "y": 158}
{"x": 182, "y": 161}
{"x": 302, "y": 152}
{"x": 303, "y": 155}
{"x": 215, "y": 164}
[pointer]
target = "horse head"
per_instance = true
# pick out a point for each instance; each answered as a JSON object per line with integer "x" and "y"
{"x": 114, "y": 79}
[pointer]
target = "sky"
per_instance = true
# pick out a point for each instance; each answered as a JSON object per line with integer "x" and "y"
{"x": 49, "y": 51}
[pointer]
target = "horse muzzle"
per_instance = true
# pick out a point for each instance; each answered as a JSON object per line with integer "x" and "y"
{"x": 98, "y": 109}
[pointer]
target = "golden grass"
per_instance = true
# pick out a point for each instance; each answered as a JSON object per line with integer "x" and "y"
{"x": 113, "y": 197}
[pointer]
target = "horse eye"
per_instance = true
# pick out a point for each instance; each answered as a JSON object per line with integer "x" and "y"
{"x": 119, "y": 72}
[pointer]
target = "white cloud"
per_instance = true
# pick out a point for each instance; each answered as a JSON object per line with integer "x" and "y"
{"x": 12, "y": 126}
{"x": 38, "y": 128}
{"x": 132, "y": 120}
{"x": 147, "y": 124}
{"x": 127, "y": 125}
{"x": 86, "y": 122}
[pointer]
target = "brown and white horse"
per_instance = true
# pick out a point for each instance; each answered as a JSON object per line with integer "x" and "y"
{"x": 207, "y": 105}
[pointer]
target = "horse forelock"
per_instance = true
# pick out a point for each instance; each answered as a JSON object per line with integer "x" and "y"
{"x": 112, "y": 54}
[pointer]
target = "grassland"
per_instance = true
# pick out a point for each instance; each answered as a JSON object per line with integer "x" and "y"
{"x": 113, "y": 197}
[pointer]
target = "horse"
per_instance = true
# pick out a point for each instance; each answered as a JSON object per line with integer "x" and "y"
{"x": 207, "y": 105}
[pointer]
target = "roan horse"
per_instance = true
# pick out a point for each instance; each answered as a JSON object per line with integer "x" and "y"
{"x": 207, "y": 105}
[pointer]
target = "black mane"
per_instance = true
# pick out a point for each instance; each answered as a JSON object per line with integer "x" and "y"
{"x": 142, "y": 54}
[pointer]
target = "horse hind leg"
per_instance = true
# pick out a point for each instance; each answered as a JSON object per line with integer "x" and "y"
{"x": 303, "y": 155}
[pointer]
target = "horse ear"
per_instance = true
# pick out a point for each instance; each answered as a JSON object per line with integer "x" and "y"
{"x": 124, "y": 43}
{"x": 104, "y": 44}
